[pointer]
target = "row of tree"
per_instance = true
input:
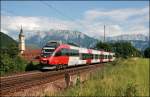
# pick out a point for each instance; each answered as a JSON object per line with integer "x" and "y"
{"x": 122, "y": 49}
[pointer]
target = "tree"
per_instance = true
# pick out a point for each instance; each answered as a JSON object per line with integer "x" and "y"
{"x": 125, "y": 49}
{"x": 10, "y": 61}
{"x": 9, "y": 64}
{"x": 121, "y": 49}
{"x": 13, "y": 50}
{"x": 147, "y": 52}
{"x": 104, "y": 46}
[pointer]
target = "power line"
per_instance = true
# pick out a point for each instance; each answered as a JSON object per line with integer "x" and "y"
{"x": 61, "y": 13}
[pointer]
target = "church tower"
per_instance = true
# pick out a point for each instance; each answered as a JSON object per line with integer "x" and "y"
{"x": 21, "y": 41}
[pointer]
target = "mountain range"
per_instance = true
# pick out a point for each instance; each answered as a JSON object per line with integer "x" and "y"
{"x": 66, "y": 36}
{"x": 39, "y": 40}
{"x": 140, "y": 41}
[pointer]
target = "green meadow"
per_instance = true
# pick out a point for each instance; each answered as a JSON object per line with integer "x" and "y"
{"x": 124, "y": 77}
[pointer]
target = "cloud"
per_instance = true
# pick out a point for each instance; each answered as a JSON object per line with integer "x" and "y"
{"x": 138, "y": 29}
{"x": 116, "y": 14}
{"x": 97, "y": 30}
{"x": 117, "y": 21}
{"x": 32, "y": 25}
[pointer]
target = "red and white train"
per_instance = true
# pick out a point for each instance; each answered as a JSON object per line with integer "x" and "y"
{"x": 62, "y": 55}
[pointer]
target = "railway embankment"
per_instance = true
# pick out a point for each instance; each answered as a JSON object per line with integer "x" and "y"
{"x": 45, "y": 83}
{"x": 124, "y": 78}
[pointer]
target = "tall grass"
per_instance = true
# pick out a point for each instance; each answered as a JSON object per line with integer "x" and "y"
{"x": 121, "y": 78}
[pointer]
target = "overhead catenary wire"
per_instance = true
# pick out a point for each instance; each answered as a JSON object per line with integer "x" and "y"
{"x": 66, "y": 16}
{"x": 62, "y": 14}
{"x": 59, "y": 12}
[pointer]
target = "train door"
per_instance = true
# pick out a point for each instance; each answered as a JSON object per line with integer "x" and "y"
{"x": 73, "y": 57}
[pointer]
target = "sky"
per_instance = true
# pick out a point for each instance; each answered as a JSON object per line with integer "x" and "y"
{"x": 88, "y": 17}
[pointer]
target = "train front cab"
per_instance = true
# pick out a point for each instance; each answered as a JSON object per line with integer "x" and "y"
{"x": 47, "y": 54}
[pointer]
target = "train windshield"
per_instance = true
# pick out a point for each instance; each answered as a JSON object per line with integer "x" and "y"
{"x": 47, "y": 52}
{"x": 49, "y": 48}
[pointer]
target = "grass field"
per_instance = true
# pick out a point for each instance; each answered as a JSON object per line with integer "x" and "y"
{"x": 121, "y": 78}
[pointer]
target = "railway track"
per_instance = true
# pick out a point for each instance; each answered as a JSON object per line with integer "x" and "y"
{"x": 16, "y": 83}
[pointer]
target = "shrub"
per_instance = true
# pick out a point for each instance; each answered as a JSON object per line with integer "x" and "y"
{"x": 11, "y": 65}
{"x": 147, "y": 52}
{"x": 31, "y": 67}
{"x": 131, "y": 90}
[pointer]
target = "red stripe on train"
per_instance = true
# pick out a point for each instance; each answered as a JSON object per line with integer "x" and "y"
{"x": 88, "y": 61}
{"x": 60, "y": 60}
{"x": 101, "y": 59}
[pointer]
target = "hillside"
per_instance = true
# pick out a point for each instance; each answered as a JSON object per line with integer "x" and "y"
{"x": 6, "y": 41}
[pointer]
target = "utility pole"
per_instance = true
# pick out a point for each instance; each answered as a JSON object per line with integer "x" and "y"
{"x": 104, "y": 33}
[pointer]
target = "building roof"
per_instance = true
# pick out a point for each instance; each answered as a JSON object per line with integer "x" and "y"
{"x": 32, "y": 51}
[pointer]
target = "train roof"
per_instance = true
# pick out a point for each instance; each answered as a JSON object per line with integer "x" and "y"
{"x": 75, "y": 45}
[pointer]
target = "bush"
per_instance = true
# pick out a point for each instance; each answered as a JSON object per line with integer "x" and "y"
{"x": 10, "y": 61}
{"x": 131, "y": 90}
{"x": 121, "y": 49}
{"x": 11, "y": 65}
{"x": 104, "y": 46}
{"x": 147, "y": 52}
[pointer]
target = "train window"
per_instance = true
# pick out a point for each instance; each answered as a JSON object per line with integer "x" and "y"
{"x": 58, "y": 53}
{"x": 109, "y": 56}
{"x": 70, "y": 52}
{"x": 96, "y": 56}
{"x": 83, "y": 56}
{"x": 105, "y": 56}
{"x": 64, "y": 52}
{"x": 114, "y": 56}
{"x": 74, "y": 52}
{"x": 91, "y": 56}
{"x": 86, "y": 56}
{"x": 48, "y": 50}
{"x": 102, "y": 56}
